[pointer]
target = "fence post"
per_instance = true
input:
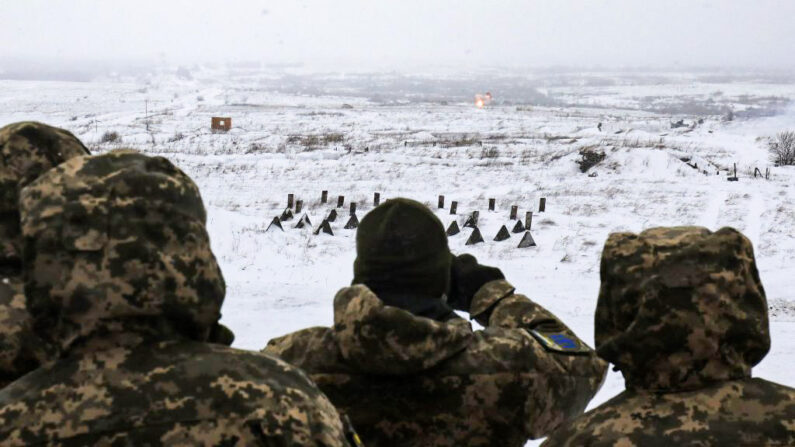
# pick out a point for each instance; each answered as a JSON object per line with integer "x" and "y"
{"x": 542, "y": 205}
{"x": 528, "y": 220}
{"x": 453, "y": 207}
{"x": 440, "y": 204}
{"x": 514, "y": 211}
{"x": 340, "y": 201}
{"x": 324, "y": 197}
{"x": 376, "y": 199}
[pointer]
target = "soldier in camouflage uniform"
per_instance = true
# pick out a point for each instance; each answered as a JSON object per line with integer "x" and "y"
{"x": 27, "y": 149}
{"x": 683, "y": 315}
{"x": 410, "y": 372}
{"x": 120, "y": 278}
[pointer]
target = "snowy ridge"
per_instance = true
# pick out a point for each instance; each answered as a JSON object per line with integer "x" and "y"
{"x": 289, "y": 142}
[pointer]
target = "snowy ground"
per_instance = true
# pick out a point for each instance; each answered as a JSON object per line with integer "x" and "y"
{"x": 400, "y": 136}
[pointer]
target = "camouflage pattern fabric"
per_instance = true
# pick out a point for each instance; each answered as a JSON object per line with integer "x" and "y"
{"x": 27, "y": 149}
{"x": 167, "y": 393}
{"x": 117, "y": 236}
{"x": 20, "y": 351}
{"x": 412, "y": 381}
{"x": 745, "y": 412}
{"x": 120, "y": 277}
{"x": 682, "y": 291}
{"x": 683, "y": 315}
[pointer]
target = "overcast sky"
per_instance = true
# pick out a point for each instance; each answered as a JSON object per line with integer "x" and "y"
{"x": 408, "y": 34}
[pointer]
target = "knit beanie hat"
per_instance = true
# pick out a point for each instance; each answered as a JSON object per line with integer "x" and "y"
{"x": 401, "y": 247}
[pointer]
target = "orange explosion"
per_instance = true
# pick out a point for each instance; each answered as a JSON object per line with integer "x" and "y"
{"x": 482, "y": 100}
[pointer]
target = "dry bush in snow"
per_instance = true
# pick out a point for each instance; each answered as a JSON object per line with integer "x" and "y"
{"x": 110, "y": 137}
{"x": 589, "y": 157}
{"x": 782, "y": 148}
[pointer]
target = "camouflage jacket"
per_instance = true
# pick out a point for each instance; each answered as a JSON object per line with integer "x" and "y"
{"x": 683, "y": 315}
{"x": 746, "y": 412}
{"x": 27, "y": 149}
{"x": 166, "y": 393}
{"x": 412, "y": 381}
{"x": 121, "y": 281}
{"x": 20, "y": 351}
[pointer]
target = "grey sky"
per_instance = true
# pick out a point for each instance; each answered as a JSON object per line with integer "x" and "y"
{"x": 374, "y": 34}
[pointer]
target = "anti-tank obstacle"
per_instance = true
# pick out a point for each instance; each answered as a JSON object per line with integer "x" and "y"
{"x": 296, "y": 205}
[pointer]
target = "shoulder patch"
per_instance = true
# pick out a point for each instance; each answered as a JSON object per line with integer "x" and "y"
{"x": 560, "y": 342}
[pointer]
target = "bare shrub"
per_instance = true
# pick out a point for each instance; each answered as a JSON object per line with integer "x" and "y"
{"x": 315, "y": 141}
{"x": 333, "y": 138}
{"x": 782, "y": 148}
{"x": 589, "y": 157}
{"x": 307, "y": 141}
{"x": 310, "y": 141}
{"x": 176, "y": 137}
{"x": 551, "y": 138}
{"x": 255, "y": 147}
{"x": 110, "y": 137}
{"x": 489, "y": 152}
{"x": 527, "y": 155}
{"x": 460, "y": 141}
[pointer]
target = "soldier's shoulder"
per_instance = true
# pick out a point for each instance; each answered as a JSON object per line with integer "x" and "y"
{"x": 313, "y": 349}
{"x": 299, "y": 340}
{"x": 515, "y": 349}
{"x": 755, "y": 399}
{"x": 164, "y": 384}
{"x": 605, "y": 425}
{"x": 497, "y": 350}
{"x": 762, "y": 387}
{"x": 740, "y": 412}
{"x": 246, "y": 364}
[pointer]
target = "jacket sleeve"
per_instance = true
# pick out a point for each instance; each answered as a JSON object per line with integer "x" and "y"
{"x": 567, "y": 372}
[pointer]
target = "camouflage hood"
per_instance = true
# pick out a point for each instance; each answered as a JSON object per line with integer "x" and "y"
{"x": 116, "y": 244}
{"x": 681, "y": 307}
{"x": 27, "y": 149}
{"x": 378, "y": 339}
{"x": 20, "y": 351}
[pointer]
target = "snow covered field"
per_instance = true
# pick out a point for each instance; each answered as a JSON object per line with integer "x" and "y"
{"x": 422, "y": 136}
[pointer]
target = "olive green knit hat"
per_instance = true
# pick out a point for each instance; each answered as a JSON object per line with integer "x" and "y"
{"x": 401, "y": 247}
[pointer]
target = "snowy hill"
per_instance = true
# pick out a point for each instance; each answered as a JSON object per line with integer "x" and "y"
{"x": 289, "y": 138}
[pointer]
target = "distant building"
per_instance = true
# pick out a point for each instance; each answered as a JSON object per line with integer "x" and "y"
{"x": 221, "y": 124}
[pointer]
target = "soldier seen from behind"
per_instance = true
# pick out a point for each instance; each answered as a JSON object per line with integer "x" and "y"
{"x": 683, "y": 315}
{"x": 27, "y": 150}
{"x": 410, "y": 372}
{"x": 121, "y": 280}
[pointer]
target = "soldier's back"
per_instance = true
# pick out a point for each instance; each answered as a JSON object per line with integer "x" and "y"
{"x": 167, "y": 393}
{"x": 478, "y": 397}
{"x": 749, "y": 412}
{"x": 411, "y": 381}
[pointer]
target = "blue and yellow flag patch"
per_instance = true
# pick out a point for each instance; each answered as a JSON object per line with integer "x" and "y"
{"x": 560, "y": 342}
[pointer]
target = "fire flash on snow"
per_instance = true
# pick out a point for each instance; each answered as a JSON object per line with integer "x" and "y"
{"x": 482, "y": 100}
